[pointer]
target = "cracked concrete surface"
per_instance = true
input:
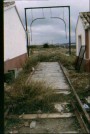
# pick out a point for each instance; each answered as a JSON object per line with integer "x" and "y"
{"x": 51, "y": 74}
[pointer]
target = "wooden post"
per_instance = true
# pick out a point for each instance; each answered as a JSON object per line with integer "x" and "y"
{"x": 87, "y": 62}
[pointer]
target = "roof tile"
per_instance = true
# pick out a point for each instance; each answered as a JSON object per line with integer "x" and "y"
{"x": 8, "y": 3}
{"x": 85, "y": 16}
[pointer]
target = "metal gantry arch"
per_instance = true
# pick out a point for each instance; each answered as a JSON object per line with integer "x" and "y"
{"x": 44, "y": 18}
{"x": 62, "y": 19}
{"x": 33, "y": 20}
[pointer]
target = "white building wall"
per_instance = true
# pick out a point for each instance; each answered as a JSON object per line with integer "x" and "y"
{"x": 79, "y": 32}
{"x": 14, "y": 35}
{"x": 89, "y": 43}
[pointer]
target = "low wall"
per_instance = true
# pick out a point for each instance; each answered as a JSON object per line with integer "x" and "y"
{"x": 16, "y": 62}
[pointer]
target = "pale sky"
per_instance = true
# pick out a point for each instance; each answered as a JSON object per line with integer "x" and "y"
{"x": 51, "y": 30}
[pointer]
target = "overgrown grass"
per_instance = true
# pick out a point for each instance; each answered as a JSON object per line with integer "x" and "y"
{"x": 56, "y": 54}
{"x": 80, "y": 82}
{"x": 36, "y": 96}
{"x": 49, "y": 55}
{"x": 14, "y": 122}
{"x": 30, "y": 98}
{"x": 31, "y": 62}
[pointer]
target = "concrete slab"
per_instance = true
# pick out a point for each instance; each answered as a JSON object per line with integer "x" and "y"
{"x": 45, "y": 115}
{"x": 69, "y": 132}
{"x": 51, "y": 74}
{"x": 62, "y": 92}
{"x": 51, "y": 126}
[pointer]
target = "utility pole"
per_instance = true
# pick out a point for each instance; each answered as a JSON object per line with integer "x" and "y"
{"x": 89, "y": 5}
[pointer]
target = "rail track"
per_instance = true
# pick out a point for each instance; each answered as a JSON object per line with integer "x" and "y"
{"x": 80, "y": 112}
{"x": 82, "y": 115}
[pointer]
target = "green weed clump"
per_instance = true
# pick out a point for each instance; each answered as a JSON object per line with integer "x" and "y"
{"x": 45, "y": 45}
{"x": 57, "y": 56}
{"x": 80, "y": 81}
{"x": 46, "y": 57}
{"x": 31, "y": 62}
{"x": 67, "y": 61}
{"x": 49, "y": 55}
{"x": 30, "y": 98}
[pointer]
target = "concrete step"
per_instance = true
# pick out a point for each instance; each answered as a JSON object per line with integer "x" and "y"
{"x": 45, "y": 115}
{"x": 69, "y": 132}
{"x": 62, "y": 92}
{"x": 50, "y": 126}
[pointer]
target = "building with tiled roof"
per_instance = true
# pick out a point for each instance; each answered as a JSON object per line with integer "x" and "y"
{"x": 8, "y": 3}
{"x": 85, "y": 17}
{"x": 83, "y": 37}
{"x": 15, "y": 46}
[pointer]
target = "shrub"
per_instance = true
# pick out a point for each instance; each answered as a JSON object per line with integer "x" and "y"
{"x": 45, "y": 45}
{"x": 30, "y": 98}
{"x": 31, "y": 62}
{"x": 9, "y": 77}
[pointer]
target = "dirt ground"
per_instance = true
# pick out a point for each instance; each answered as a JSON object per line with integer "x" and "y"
{"x": 66, "y": 125}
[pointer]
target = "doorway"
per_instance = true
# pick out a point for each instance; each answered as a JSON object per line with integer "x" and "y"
{"x": 79, "y": 43}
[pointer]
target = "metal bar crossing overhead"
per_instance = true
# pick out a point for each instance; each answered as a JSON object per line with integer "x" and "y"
{"x": 33, "y": 20}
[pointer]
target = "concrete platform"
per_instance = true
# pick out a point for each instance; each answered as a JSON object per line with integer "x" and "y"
{"x": 50, "y": 115}
{"x": 51, "y": 74}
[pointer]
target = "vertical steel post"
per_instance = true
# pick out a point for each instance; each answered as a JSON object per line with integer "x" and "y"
{"x": 51, "y": 7}
{"x": 26, "y": 31}
{"x": 69, "y": 32}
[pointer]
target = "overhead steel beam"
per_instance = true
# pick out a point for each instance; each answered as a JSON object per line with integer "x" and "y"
{"x": 26, "y": 31}
{"x": 69, "y": 32}
{"x": 46, "y": 7}
{"x": 51, "y": 7}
